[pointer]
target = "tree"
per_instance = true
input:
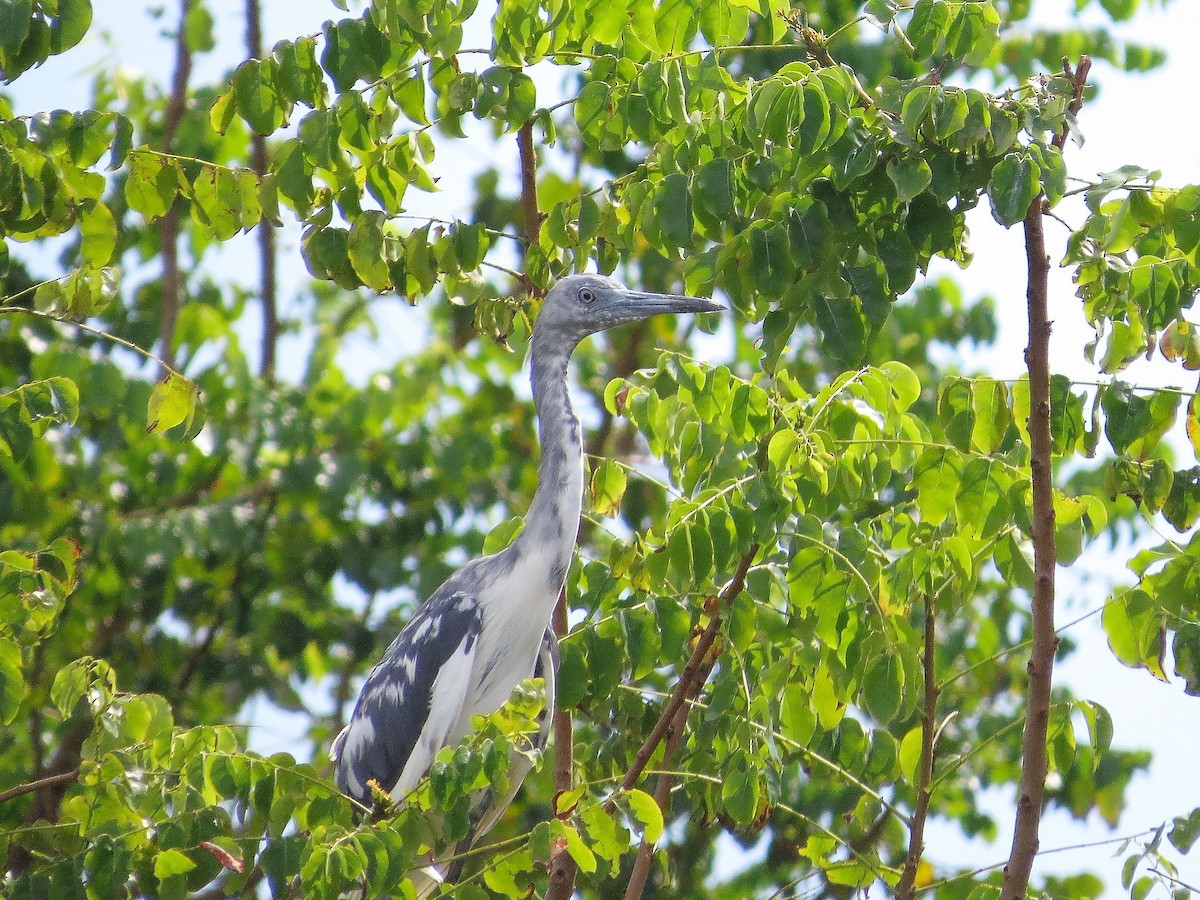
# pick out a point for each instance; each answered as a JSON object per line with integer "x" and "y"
{"x": 825, "y": 619}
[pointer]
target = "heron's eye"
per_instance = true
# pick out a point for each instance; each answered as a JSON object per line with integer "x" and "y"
{"x": 587, "y": 295}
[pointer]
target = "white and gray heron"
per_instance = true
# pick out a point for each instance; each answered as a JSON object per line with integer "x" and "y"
{"x": 486, "y": 629}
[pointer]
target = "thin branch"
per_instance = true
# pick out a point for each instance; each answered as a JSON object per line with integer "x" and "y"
{"x": 562, "y": 864}
{"x": 529, "y": 203}
{"x": 266, "y": 232}
{"x": 662, "y": 796}
{"x": 695, "y": 672}
{"x": 817, "y": 45}
{"x": 41, "y": 783}
{"x": 169, "y": 227}
{"x": 1034, "y": 762}
{"x": 905, "y": 890}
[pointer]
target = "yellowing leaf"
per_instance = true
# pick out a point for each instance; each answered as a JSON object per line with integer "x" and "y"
{"x": 172, "y": 401}
{"x": 646, "y": 811}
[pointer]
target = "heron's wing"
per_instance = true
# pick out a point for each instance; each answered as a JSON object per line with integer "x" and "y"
{"x": 412, "y": 701}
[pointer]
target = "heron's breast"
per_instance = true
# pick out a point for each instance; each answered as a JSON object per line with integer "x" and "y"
{"x": 517, "y": 610}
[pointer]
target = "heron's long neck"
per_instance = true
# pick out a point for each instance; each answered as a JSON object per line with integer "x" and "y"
{"x": 552, "y": 522}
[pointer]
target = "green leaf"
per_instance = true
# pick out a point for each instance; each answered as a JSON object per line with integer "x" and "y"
{"x": 364, "y": 246}
{"x": 607, "y": 487}
{"x": 936, "y": 476}
{"x": 12, "y": 681}
{"x": 73, "y": 19}
{"x": 171, "y": 862}
{"x": 1186, "y": 648}
{"x": 928, "y": 26}
{"x": 910, "y": 176}
{"x": 646, "y": 811}
{"x": 198, "y": 29}
{"x": 172, "y": 402}
{"x": 15, "y": 19}
{"x": 1014, "y": 186}
{"x": 98, "y": 230}
{"x": 579, "y": 851}
{"x": 673, "y": 210}
{"x": 76, "y": 679}
{"x": 1184, "y": 831}
{"x": 910, "y": 754}
{"x": 739, "y": 789}
{"x": 258, "y": 97}
{"x": 883, "y": 688}
{"x": 1100, "y": 729}
{"x": 1134, "y": 424}
{"x": 989, "y": 405}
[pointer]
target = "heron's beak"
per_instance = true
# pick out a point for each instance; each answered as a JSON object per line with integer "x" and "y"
{"x": 641, "y": 304}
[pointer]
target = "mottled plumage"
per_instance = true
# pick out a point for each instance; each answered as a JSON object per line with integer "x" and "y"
{"x": 483, "y": 631}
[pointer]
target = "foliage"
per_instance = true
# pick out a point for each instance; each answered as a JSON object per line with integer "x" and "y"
{"x": 175, "y": 549}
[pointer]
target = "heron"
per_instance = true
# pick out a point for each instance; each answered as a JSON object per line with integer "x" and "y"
{"x": 487, "y": 627}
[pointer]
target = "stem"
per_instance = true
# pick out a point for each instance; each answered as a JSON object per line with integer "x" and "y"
{"x": 1034, "y": 761}
{"x": 167, "y": 368}
{"x": 169, "y": 229}
{"x": 266, "y": 233}
{"x": 916, "y": 834}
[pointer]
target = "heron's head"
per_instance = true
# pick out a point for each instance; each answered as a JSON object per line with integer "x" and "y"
{"x": 580, "y": 305}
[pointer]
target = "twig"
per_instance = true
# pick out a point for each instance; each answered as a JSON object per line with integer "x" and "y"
{"x": 30, "y": 786}
{"x": 1034, "y": 762}
{"x": 817, "y": 45}
{"x": 916, "y": 832}
{"x": 1079, "y": 82}
{"x": 266, "y": 232}
{"x": 169, "y": 228}
{"x": 1183, "y": 884}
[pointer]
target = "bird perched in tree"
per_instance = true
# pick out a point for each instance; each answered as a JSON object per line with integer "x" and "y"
{"x": 485, "y": 629}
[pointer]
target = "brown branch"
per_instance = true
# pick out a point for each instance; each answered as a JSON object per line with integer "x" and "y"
{"x": 695, "y": 672}
{"x": 562, "y": 865}
{"x": 1079, "y": 82}
{"x": 1034, "y": 762}
{"x": 42, "y": 783}
{"x": 50, "y": 790}
{"x": 169, "y": 227}
{"x": 266, "y": 232}
{"x": 201, "y": 650}
{"x": 532, "y": 216}
{"x": 662, "y": 796}
{"x": 817, "y": 46}
{"x": 906, "y": 890}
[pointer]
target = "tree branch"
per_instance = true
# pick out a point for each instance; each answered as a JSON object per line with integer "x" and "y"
{"x": 695, "y": 672}
{"x": 41, "y": 783}
{"x": 1034, "y": 761}
{"x": 532, "y": 216}
{"x": 905, "y": 890}
{"x": 662, "y": 796}
{"x": 562, "y": 865}
{"x": 266, "y": 232}
{"x": 169, "y": 229}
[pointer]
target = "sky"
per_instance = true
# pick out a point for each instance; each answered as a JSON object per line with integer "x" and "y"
{"x": 1139, "y": 119}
